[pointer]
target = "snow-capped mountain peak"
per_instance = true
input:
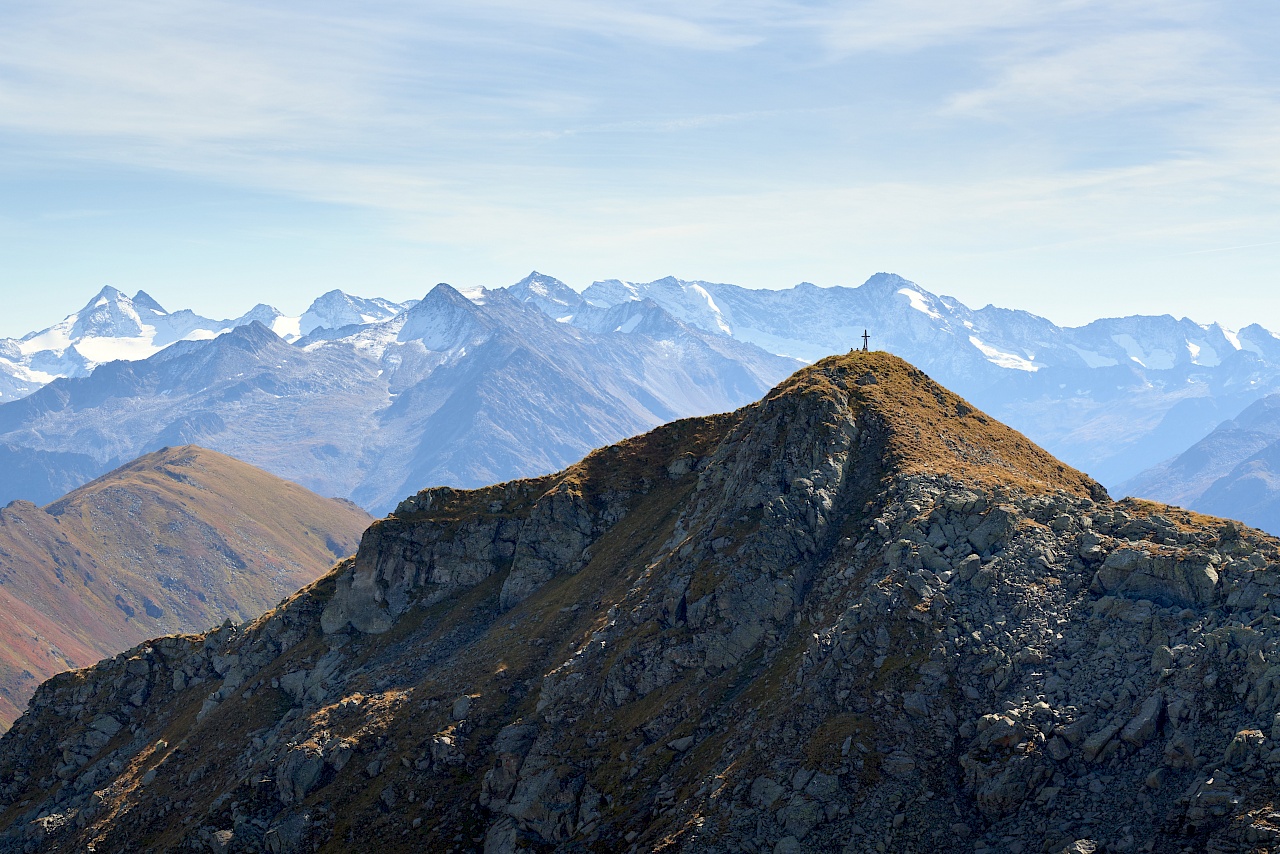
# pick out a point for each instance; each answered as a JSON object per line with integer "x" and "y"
{"x": 336, "y": 309}
{"x": 444, "y": 320}
{"x": 109, "y": 314}
{"x": 142, "y": 301}
{"x": 552, "y": 296}
{"x": 109, "y": 327}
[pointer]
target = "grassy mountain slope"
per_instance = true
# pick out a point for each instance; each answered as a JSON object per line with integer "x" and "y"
{"x": 175, "y": 541}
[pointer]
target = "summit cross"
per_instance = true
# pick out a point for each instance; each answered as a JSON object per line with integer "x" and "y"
{"x": 866, "y": 339}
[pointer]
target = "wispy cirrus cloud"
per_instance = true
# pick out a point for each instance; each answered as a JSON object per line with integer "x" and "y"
{"x": 913, "y": 25}
{"x": 696, "y": 25}
{"x": 1103, "y": 74}
{"x": 764, "y": 135}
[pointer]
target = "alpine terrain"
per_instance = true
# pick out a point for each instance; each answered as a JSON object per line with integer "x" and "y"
{"x": 448, "y": 391}
{"x": 176, "y": 541}
{"x": 1112, "y": 397}
{"x": 383, "y": 397}
{"x": 111, "y": 327}
{"x": 1234, "y": 471}
{"x": 858, "y": 615}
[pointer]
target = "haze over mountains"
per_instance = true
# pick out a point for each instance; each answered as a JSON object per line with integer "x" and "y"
{"x": 1232, "y": 472}
{"x": 858, "y": 615}
{"x": 176, "y": 541}
{"x": 368, "y": 399}
{"x": 446, "y": 391}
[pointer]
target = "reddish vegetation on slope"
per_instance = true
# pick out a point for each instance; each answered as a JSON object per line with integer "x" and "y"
{"x": 175, "y": 541}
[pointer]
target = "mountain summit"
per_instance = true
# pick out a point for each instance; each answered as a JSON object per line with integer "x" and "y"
{"x": 856, "y": 615}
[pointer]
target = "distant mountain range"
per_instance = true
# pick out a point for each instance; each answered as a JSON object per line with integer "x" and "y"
{"x": 1232, "y": 472}
{"x": 113, "y": 326}
{"x": 110, "y": 327}
{"x": 450, "y": 390}
{"x": 370, "y": 399}
{"x": 1112, "y": 398}
{"x": 176, "y": 541}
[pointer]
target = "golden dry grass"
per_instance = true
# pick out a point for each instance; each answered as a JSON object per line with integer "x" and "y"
{"x": 931, "y": 430}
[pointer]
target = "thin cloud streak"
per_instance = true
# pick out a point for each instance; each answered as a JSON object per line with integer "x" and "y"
{"x": 913, "y": 25}
{"x": 1232, "y": 248}
{"x": 803, "y": 136}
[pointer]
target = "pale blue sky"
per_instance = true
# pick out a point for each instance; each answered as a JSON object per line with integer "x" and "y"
{"x": 1071, "y": 157}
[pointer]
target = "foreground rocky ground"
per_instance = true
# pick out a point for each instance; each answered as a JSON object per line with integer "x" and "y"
{"x": 857, "y": 616}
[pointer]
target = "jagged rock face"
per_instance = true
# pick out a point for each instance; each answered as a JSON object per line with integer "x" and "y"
{"x": 855, "y": 616}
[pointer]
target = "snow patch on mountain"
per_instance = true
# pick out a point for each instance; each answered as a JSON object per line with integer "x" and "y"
{"x": 288, "y": 328}
{"x": 101, "y": 350}
{"x": 1157, "y": 358}
{"x": 1093, "y": 359}
{"x": 1001, "y": 358}
{"x": 919, "y": 303}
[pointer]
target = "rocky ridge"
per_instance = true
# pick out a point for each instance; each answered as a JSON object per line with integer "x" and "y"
{"x": 858, "y": 615}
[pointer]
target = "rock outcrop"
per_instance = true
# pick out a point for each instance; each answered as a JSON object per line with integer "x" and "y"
{"x": 856, "y": 616}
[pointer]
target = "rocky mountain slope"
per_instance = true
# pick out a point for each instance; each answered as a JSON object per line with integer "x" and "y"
{"x": 1234, "y": 471}
{"x": 858, "y": 615}
{"x": 446, "y": 392}
{"x": 176, "y": 541}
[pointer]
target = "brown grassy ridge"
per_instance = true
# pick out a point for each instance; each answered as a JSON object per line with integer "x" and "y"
{"x": 931, "y": 430}
{"x": 625, "y": 466}
{"x": 173, "y": 542}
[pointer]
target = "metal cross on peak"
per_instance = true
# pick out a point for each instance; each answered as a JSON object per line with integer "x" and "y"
{"x": 866, "y": 340}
